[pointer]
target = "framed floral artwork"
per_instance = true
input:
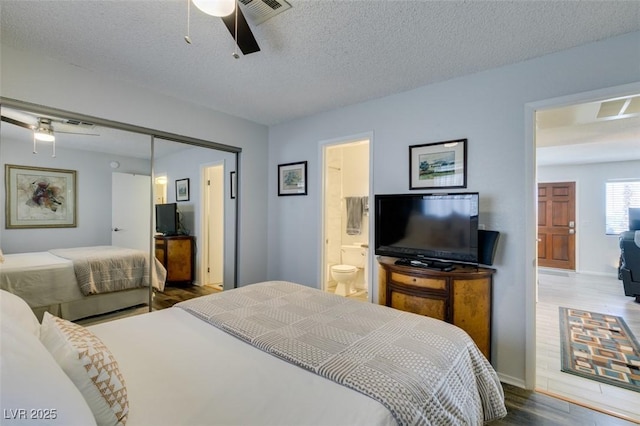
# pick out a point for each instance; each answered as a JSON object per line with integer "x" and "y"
{"x": 39, "y": 197}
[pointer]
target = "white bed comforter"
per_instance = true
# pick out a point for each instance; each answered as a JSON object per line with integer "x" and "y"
{"x": 181, "y": 371}
{"x": 425, "y": 371}
{"x": 40, "y": 278}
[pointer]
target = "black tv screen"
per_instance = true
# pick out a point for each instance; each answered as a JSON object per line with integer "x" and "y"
{"x": 167, "y": 222}
{"x": 427, "y": 226}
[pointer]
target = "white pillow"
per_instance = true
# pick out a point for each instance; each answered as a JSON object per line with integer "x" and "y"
{"x": 35, "y": 390}
{"x": 15, "y": 310}
{"x": 90, "y": 365}
{"x": 1, "y": 256}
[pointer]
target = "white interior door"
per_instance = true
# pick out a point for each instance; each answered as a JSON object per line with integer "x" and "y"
{"x": 131, "y": 211}
{"x": 213, "y": 224}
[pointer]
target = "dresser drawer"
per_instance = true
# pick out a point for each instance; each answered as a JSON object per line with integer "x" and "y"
{"x": 434, "y": 308}
{"x": 424, "y": 282}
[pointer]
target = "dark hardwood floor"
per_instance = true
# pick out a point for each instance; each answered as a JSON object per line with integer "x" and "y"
{"x": 524, "y": 407}
{"x": 174, "y": 294}
{"x": 533, "y": 408}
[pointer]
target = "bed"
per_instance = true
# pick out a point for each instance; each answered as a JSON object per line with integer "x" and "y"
{"x": 272, "y": 353}
{"x": 78, "y": 282}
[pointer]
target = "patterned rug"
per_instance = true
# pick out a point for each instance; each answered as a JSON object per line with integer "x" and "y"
{"x": 599, "y": 347}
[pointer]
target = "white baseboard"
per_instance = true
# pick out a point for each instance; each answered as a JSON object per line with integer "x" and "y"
{"x": 510, "y": 380}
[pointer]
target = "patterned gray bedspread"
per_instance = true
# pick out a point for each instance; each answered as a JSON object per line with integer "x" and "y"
{"x": 425, "y": 371}
{"x": 104, "y": 269}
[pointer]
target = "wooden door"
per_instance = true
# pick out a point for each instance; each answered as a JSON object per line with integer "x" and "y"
{"x": 556, "y": 225}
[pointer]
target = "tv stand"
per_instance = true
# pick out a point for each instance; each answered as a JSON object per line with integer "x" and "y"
{"x": 461, "y": 297}
{"x": 177, "y": 254}
{"x": 428, "y": 264}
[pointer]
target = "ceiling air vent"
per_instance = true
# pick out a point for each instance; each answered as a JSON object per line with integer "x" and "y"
{"x": 259, "y": 11}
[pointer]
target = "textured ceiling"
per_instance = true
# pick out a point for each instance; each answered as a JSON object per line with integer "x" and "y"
{"x": 317, "y": 56}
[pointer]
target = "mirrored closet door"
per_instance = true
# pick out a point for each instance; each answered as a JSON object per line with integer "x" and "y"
{"x": 94, "y": 187}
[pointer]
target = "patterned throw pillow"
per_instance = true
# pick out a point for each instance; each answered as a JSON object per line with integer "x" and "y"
{"x": 91, "y": 367}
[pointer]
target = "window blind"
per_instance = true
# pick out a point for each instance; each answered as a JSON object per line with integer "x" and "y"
{"x": 620, "y": 195}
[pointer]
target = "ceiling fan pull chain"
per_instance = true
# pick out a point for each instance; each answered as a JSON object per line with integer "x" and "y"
{"x": 187, "y": 38}
{"x": 235, "y": 39}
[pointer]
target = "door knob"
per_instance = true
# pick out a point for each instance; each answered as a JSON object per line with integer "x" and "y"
{"x": 572, "y": 231}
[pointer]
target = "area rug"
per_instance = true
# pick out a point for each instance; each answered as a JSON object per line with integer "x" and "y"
{"x": 599, "y": 347}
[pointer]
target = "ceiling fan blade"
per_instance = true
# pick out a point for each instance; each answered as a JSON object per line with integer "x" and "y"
{"x": 246, "y": 41}
{"x": 16, "y": 122}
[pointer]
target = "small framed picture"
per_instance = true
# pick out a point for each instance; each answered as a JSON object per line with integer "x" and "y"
{"x": 39, "y": 197}
{"x": 438, "y": 165}
{"x": 292, "y": 178}
{"x": 182, "y": 189}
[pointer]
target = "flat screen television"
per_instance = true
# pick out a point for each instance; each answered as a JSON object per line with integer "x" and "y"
{"x": 167, "y": 220}
{"x": 440, "y": 227}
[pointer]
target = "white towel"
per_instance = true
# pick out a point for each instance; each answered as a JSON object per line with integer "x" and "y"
{"x": 355, "y": 210}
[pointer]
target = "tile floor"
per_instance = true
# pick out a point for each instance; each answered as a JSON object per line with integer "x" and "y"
{"x": 588, "y": 292}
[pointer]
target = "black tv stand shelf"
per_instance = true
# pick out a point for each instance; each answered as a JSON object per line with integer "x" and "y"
{"x": 427, "y": 264}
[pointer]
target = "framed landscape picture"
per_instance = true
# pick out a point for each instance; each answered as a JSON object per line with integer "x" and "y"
{"x": 292, "y": 178}
{"x": 39, "y": 197}
{"x": 182, "y": 189}
{"x": 438, "y": 165}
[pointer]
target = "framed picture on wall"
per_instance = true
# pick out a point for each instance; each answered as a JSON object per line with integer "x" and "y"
{"x": 182, "y": 189}
{"x": 292, "y": 178}
{"x": 438, "y": 165}
{"x": 39, "y": 197}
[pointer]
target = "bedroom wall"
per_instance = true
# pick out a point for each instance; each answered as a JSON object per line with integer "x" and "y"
{"x": 488, "y": 108}
{"x": 93, "y": 176}
{"x": 42, "y": 80}
{"x": 597, "y": 253}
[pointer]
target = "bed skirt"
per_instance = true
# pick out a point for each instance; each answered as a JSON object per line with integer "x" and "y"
{"x": 96, "y": 304}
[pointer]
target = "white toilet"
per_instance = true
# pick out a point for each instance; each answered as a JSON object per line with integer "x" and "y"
{"x": 352, "y": 258}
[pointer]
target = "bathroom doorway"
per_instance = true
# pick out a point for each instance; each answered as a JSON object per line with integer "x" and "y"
{"x": 346, "y": 231}
{"x": 212, "y": 214}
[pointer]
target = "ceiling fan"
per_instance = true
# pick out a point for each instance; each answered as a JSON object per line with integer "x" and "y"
{"x": 47, "y": 125}
{"x": 44, "y": 128}
{"x": 234, "y": 19}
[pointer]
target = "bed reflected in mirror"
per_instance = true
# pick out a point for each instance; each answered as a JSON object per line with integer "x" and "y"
{"x": 78, "y": 237}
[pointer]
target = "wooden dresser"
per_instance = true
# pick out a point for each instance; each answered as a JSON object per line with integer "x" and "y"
{"x": 461, "y": 297}
{"x": 177, "y": 254}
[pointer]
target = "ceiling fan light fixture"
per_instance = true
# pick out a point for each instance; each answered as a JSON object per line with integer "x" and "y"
{"x": 44, "y": 131}
{"x": 218, "y": 8}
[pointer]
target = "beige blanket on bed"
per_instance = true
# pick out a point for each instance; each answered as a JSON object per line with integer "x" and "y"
{"x": 104, "y": 269}
{"x": 425, "y": 371}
